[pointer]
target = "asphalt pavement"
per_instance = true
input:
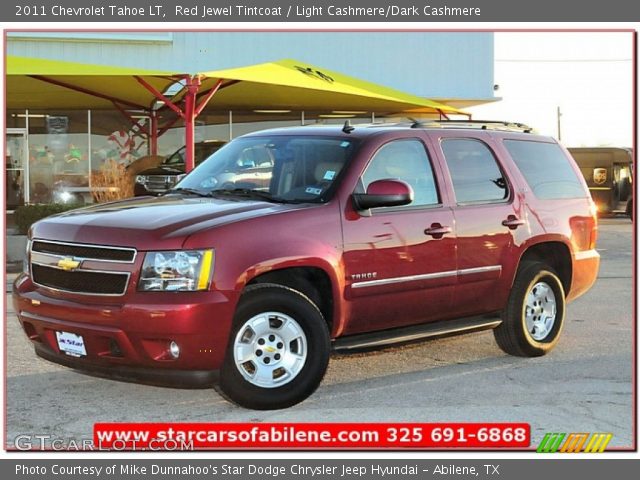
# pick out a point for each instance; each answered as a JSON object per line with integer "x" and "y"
{"x": 584, "y": 385}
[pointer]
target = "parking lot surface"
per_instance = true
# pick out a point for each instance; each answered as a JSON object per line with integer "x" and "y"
{"x": 584, "y": 385}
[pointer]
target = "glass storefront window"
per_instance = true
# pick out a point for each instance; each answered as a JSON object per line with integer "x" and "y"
{"x": 171, "y": 141}
{"x": 59, "y": 157}
{"x": 113, "y": 140}
{"x": 15, "y": 163}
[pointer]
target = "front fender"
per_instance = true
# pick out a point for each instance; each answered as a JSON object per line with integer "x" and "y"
{"x": 311, "y": 237}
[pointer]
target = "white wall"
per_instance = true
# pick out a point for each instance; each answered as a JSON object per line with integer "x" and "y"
{"x": 429, "y": 64}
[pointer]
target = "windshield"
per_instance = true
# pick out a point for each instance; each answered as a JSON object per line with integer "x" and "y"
{"x": 278, "y": 168}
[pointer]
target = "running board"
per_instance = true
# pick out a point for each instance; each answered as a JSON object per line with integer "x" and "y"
{"x": 414, "y": 332}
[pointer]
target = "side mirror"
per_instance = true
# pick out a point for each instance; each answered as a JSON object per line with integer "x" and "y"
{"x": 384, "y": 193}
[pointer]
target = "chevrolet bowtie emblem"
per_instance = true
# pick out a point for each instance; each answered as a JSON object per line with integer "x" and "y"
{"x": 68, "y": 264}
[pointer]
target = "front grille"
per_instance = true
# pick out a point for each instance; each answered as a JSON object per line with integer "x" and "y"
{"x": 160, "y": 183}
{"x": 84, "y": 251}
{"x": 99, "y": 283}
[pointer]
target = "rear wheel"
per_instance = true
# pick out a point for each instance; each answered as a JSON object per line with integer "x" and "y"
{"x": 535, "y": 312}
{"x": 278, "y": 350}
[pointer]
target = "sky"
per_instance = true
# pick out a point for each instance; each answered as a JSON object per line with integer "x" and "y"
{"x": 589, "y": 75}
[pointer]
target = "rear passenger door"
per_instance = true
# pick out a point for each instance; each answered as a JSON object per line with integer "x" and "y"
{"x": 488, "y": 218}
{"x": 400, "y": 262}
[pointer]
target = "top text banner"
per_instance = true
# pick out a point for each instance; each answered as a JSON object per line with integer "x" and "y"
{"x": 430, "y": 11}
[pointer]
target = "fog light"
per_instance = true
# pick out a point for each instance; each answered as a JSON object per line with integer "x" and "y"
{"x": 174, "y": 349}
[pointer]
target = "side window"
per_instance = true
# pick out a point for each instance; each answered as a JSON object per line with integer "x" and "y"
{"x": 546, "y": 169}
{"x": 405, "y": 160}
{"x": 474, "y": 171}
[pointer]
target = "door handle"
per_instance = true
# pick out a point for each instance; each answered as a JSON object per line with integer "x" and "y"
{"x": 513, "y": 222}
{"x": 437, "y": 231}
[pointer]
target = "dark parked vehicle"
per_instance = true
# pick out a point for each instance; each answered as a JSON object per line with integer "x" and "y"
{"x": 608, "y": 172}
{"x": 349, "y": 238}
{"x": 157, "y": 180}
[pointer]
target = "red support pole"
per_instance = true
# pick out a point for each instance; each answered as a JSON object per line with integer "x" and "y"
{"x": 158, "y": 94}
{"x": 207, "y": 97}
{"x": 153, "y": 134}
{"x": 193, "y": 84}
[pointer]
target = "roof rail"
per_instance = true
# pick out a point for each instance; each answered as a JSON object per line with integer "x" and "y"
{"x": 480, "y": 124}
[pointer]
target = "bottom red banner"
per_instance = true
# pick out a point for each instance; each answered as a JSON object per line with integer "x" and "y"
{"x": 194, "y": 436}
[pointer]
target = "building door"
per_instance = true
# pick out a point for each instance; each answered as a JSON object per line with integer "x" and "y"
{"x": 17, "y": 168}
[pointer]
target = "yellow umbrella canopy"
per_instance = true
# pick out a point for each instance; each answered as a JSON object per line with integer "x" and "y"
{"x": 295, "y": 85}
{"x": 36, "y": 83}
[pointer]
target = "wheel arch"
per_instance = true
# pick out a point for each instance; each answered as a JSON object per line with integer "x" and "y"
{"x": 555, "y": 253}
{"x": 313, "y": 280}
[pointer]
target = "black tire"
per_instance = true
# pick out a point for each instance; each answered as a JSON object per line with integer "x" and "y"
{"x": 513, "y": 336}
{"x": 268, "y": 297}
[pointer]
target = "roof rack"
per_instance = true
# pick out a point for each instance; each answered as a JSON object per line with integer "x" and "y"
{"x": 480, "y": 124}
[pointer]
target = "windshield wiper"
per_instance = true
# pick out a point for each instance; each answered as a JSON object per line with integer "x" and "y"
{"x": 248, "y": 192}
{"x": 193, "y": 191}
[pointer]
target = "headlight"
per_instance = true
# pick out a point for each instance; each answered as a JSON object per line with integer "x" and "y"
{"x": 64, "y": 196}
{"x": 176, "y": 271}
{"x": 141, "y": 179}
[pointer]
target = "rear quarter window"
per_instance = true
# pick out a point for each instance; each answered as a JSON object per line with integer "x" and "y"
{"x": 475, "y": 173}
{"x": 546, "y": 169}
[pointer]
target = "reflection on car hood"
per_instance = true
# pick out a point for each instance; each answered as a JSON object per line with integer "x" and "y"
{"x": 150, "y": 222}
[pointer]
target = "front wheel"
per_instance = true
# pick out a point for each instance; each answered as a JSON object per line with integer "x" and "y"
{"x": 533, "y": 319}
{"x": 278, "y": 350}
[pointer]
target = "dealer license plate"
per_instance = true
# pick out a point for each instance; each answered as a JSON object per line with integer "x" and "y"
{"x": 71, "y": 344}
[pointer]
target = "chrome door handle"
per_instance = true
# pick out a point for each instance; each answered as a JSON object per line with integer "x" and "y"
{"x": 513, "y": 222}
{"x": 437, "y": 231}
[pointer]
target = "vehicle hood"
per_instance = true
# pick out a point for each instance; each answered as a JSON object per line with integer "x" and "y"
{"x": 164, "y": 170}
{"x": 147, "y": 223}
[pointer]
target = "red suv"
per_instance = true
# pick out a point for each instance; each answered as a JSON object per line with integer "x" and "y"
{"x": 359, "y": 237}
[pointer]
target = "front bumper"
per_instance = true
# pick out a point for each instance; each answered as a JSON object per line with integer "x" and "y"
{"x": 150, "y": 376}
{"x": 131, "y": 339}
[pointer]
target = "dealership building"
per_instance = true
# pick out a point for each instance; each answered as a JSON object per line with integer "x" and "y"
{"x": 45, "y": 143}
